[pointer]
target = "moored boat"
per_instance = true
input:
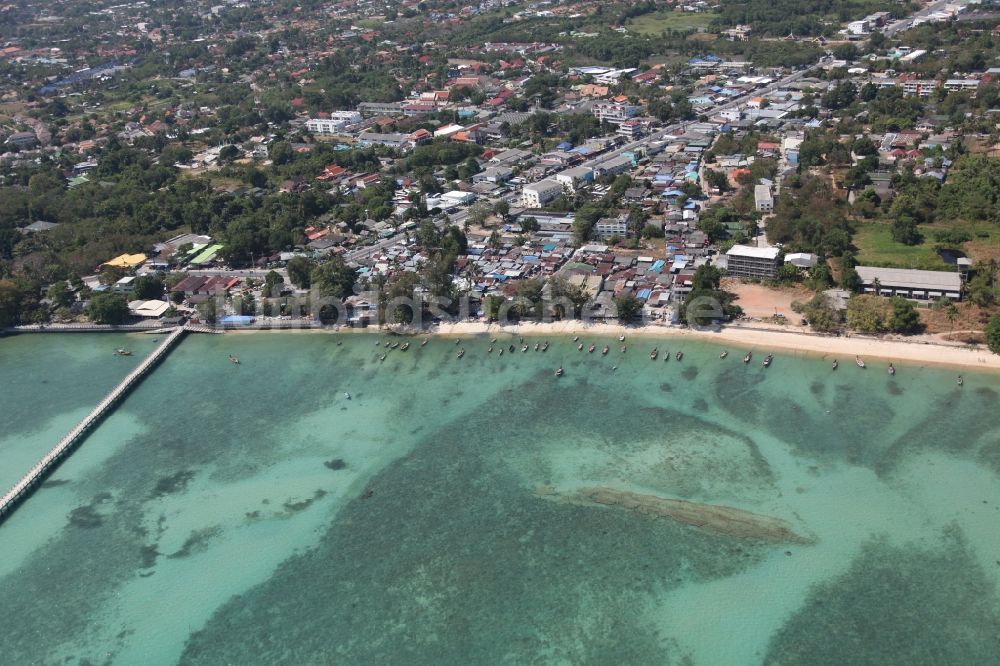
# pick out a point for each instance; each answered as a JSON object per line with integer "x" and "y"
{"x": 767, "y": 360}
{"x": 559, "y": 372}
{"x": 490, "y": 350}
{"x": 679, "y": 355}
{"x": 580, "y": 347}
{"x": 621, "y": 338}
{"x": 859, "y": 361}
{"x": 724, "y": 354}
{"x": 891, "y": 370}
{"x": 536, "y": 346}
{"x": 426, "y": 340}
{"x": 234, "y": 360}
{"x": 123, "y": 352}
{"x": 623, "y": 348}
{"x": 834, "y": 365}
{"x": 960, "y": 381}
{"x": 461, "y": 353}
{"x": 405, "y": 346}
{"x": 749, "y": 355}
{"x": 653, "y": 354}
{"x": 545, "y": 347}
{"x": 591, "y": 349}
{"x": 347, "y": 395}
{"x": 605, "y": 350}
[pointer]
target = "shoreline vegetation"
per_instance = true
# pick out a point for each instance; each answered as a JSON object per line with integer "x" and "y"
{"x": 914, "y": 351}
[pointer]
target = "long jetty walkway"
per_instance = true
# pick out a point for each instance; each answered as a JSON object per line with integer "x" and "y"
{"x": 23, "y": 487}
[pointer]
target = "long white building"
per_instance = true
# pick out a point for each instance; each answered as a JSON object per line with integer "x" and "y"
{"x": 335, "y": 124}
{"x": 910, "y": 283}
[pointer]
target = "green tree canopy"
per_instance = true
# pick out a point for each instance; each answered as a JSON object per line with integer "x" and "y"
{"x": 107, "y": 308}
{"x": 299, "y": 271}
{"x": 333, "y": 278}
{"x": 993, "y": 334}
{"x": 628, "y": 307}
{"x": 147, "y": 287}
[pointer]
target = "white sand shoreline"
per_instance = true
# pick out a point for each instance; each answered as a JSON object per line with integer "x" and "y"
{"x": 913, "y": 351}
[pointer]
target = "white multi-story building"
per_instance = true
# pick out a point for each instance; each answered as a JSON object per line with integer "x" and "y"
{"x": 752, "y": 262}
{"x": 575, "y": 177}
{"x": 919, "y": 87}
{"x": 346, "y": 117}
{"x": 611, "y": 227}
{"x": 967, "y": 85}
{"x": 762, "y": 198}
{"x": 538, "y": 194}
{"x": 613, "y": 112}
{"x": 335, "y": 124}
{"x": 630, "y": 129}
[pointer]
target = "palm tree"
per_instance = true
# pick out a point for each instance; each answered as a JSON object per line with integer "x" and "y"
{"x": 951, "y": 312}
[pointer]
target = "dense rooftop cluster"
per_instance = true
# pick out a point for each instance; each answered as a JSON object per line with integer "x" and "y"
{"x": 486, "y": 150}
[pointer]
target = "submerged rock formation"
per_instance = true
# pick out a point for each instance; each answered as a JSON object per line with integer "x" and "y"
{"x": 711, "y": 517}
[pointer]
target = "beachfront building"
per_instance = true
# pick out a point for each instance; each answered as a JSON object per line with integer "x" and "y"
{"x": 910, "y": 283}
{"x": 759, "y": 263}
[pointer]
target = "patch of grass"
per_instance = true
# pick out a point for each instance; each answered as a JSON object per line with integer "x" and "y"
{"x": 877, "y": 248}
{"x": 985, "y": 243}
{"x": 657, "y": 22}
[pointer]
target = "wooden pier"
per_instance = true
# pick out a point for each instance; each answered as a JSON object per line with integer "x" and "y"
{"x": 23, "y": 488}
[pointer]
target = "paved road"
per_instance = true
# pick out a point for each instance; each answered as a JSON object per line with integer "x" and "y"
{"x": 906, "y": 23}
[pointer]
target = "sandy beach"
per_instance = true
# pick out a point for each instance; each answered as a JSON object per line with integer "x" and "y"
{"x": 916, "y": 350}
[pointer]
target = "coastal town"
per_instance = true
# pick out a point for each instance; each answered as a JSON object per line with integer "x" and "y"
{"x": 258, "y": 165}
{"x": 499, "y": 332}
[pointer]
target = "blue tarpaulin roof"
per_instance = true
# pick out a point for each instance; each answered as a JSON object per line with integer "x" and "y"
{"x": 644, "y": 294}
{"x": 565, "y": 145}
{"x": 657, "y": 266}
{"x": 548, "y": 247}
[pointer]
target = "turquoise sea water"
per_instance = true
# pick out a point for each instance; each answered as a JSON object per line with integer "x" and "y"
{"x": 253, "y": 515}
